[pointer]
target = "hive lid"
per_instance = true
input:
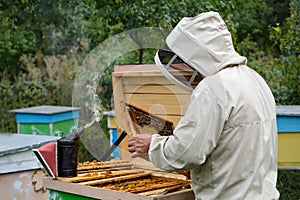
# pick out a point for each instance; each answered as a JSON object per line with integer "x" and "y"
{"x": 288, "y": 110}
{"x": 16, "y": 151}
{"x": 11, "y": 143}
{"x": 46, "y": 109}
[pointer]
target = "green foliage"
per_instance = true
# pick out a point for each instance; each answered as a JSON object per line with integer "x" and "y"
{"x": 282, "y": 75}
{"x": 288, "y": 184}
{"x": 287, "y": 36}
{"x": 14, "y": 40}
{"x": 23, "y": 93}
{"x": 47, "y": 27}
{"x": 36, "y": 88}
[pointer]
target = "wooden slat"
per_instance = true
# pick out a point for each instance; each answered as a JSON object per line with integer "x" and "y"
{"x": 154, "y": 89}
{"x": 103, "y": 170}
{"x": 116, "y": 179}
{"x": 163, "y": 110}
{"x": 154, "y": 186}
{"x": 123, "y": 125}
{"x": 121, "y": 113}
{"x": 161, "y": 191}
{"x": 100, "y": 175}
{"x": 103, "y": 165}
{"x": 144, "y": 80}
{"x": 139, "y": 80}
{"x": 151, "y": 99}
{"x": 135, "y": 67}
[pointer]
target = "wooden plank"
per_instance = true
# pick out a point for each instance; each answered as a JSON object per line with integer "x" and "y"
{"x": 141, "y": 99}
{"x": 122, "y": 118}
{"x": 146, "y": 70}
{"x": 115, "y": 179}
{"x": 288, "y": 124}
{"x": 102, "y": 170}
{"x": 103, "y": 165}
{"x": 152, "y": 186}
{"x": 140, "y": 67}
{"x": 154, "y": 89}
{"x": 163, "y": 190}
{"x": 288, "y": 150}
{"x": 119, "y": 111}
{"x": 140, "y": 80}
{"x": 99, "y": 175}
{"x": 154, "y": 79}
{"x": 163, "y": 110}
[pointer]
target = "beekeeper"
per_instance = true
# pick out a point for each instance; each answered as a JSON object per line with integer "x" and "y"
{"x": 228, "y": 136}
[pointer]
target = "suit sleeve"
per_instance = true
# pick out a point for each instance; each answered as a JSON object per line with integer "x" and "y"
{"x": 195, "y": 136}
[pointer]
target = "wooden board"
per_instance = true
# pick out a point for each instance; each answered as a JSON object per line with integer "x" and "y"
{"x": 145, "y": 79}
{"x": 288, "y": 150}
{"x": 153, "y": 89}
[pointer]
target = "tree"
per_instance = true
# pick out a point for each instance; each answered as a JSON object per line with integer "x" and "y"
{"x": 41, "y": 28}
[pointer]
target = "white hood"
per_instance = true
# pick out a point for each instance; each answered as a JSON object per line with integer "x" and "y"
{"x": 204, "y": 43}
{"x": 227, "y": 137}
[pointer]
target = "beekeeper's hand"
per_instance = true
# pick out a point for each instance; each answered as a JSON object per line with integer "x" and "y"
{"x": 139, "y": 145}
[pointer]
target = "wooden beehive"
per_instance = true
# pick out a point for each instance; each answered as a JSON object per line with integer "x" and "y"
{"x": 121, "y": 180}
{"x": 145, "y": 87}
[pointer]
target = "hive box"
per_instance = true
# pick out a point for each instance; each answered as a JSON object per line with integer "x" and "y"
{"x": 146, "y": 87}
{"x": 58, "y": 189}
{"x": 288, "y": 126}
{"x": 47, "y": 120}
{"x": 20, "y": 172}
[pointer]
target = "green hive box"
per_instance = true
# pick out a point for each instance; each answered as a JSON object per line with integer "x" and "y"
{"x": 47, "y": 120}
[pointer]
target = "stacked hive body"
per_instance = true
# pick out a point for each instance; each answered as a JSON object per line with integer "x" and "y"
{"x": 288, "y": 126}
{"x": 146, "y": 88}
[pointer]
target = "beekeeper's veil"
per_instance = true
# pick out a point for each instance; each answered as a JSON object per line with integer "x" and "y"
{"x": 197, "y": 45}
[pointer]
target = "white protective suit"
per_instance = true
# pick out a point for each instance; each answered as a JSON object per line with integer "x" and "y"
{"x": 228, "y": 135}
